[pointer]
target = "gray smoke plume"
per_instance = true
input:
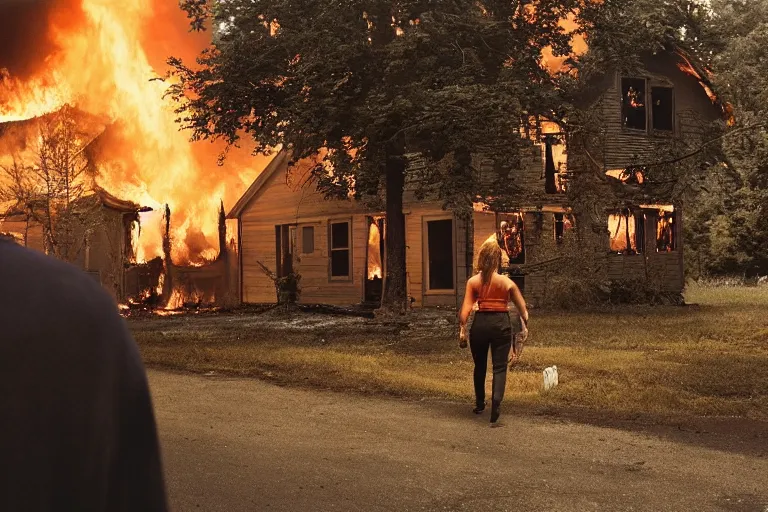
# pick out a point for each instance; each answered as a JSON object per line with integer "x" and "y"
{"x": 24, "y": 34}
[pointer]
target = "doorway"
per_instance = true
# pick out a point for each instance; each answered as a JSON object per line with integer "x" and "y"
{"x": 375, "y": 265}
{"x": 285, "y": 249}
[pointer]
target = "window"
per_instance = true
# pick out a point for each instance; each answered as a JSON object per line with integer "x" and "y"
{"x": 550, "y": 183}
{"x": 666, "y": 241}
{"x": 340, "y": 249}
{"x": 563, "y": 223}
{"x": 307, "y": 240}
{"x": 440, "y": 254}
{"x": 627, "y": 232}
{"x": 662, "y": 109}
{"x": 555, "y": 163}
{"x": 511, "y": 237}
{"x": 633, "y": 109}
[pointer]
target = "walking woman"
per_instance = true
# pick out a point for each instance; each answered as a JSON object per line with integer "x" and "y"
{"x": 492, "y": 328}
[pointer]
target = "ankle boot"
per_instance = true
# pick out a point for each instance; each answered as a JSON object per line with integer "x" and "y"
{"x": 495, "y": 411}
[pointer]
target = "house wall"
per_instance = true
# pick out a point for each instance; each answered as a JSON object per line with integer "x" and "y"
{"x": 693, "y": 109}
{"x": 280, "y": 203}
{"x": 416, "y": 218}
{"x": 16, "y": 225}
{"x": 106, "y": 252}
{"x": 661, "y": 271}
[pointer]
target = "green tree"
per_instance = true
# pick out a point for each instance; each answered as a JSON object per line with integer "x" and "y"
{"x": 729, "y": 228}
{"x": 372, "y": 81}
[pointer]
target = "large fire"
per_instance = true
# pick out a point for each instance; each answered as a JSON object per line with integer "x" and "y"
{"x": 106, "y": 62}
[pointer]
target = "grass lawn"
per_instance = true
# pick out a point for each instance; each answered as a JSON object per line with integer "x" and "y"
{"x": 708, "y": 359}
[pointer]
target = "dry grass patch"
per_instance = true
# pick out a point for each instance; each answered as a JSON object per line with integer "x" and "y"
{"x": 667, "y": 363}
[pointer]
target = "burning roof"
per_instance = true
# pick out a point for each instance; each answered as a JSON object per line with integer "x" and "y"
{"x": 103, "y": 57}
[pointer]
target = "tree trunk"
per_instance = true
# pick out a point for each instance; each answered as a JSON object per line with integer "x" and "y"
{"x": 395, "y": 297}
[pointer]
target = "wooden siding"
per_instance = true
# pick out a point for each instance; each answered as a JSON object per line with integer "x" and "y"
{"x": 416, "y": 215}
{"x": 257, "y": 243}
{"x": 692, "y": 108}
{"x": 16, "y": 225}
{"x": 316, "y": 284}
{"x": 278, "y": 204}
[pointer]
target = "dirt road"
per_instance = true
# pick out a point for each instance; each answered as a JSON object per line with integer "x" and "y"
{"x": 242, "y": 445}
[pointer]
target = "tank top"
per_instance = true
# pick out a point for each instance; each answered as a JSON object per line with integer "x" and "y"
{"x": 493, "y": 303}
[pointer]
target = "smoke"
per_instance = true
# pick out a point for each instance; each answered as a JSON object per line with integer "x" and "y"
{"x": 25, "y": 35}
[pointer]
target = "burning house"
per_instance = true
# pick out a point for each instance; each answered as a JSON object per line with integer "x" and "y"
{"x": 336, "y": 246}
{"x": 103, "y": 60}
{"x": 50, "y": 172}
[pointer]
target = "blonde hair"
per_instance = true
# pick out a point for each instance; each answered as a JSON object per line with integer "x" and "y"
{"x": 488, "y": 259}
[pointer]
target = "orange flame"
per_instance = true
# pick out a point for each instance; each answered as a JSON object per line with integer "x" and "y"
{"x": 106, "y": 66}
{"x": 557, "y": 64}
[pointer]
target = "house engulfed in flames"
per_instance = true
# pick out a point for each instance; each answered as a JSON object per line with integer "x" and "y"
{"x": 102, "y": 236}
{"x": 337, "y": 246}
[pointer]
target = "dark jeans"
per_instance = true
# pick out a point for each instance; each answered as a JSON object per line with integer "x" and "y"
{"x": 490, "y": 331}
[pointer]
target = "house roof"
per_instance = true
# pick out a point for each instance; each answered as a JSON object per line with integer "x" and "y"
{"x": 279, "y": 162}
{"x": 121, "y": 205}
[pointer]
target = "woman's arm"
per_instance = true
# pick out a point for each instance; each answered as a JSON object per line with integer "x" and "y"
{"x": 517, "y": 297}
{"x": 466, "y": 306}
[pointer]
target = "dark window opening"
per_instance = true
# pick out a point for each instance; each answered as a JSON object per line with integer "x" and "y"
{"x": 339, "y": 249}
{"x": 307, "y": 240}
{"x": 550, "y": 183}
{"x": 662, "y": 102}
{"x": 633, "y": 108}
{"x": 563, "y": 223}
{"x": 440, "y": 254}
{"x": 511, "y": 237}
{"x": 666, "y": 241}
{"x": 284, "y": 250}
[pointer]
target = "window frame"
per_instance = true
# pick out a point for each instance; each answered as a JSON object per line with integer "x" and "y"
{"x": 425, "y": 220}
{"x": 624, "y": 127}
{"x": 349, "y": 277}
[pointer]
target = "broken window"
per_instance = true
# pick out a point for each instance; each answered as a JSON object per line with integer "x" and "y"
{"x": 666, "y": 241}
{"x": 340, "y": 250}
{"x": 511, "y": 236}
{"x": 563, "y": 223}
{"x": 662, "y": 108}
{"x": 555, "y": 162}
{"x": 628, "y": 175}
{"x": 633, "y": 109}
{"x": 307, "y": 240}
{"x": 440, "y": 254}
{"x": 627, "y": 232}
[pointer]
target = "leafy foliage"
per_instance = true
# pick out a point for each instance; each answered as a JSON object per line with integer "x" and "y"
{"x": 729, "y": 228}
{"x": 370, "y": 81}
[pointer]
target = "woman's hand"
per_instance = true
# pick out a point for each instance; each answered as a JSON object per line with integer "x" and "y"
{"x": 463, "y": 337}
